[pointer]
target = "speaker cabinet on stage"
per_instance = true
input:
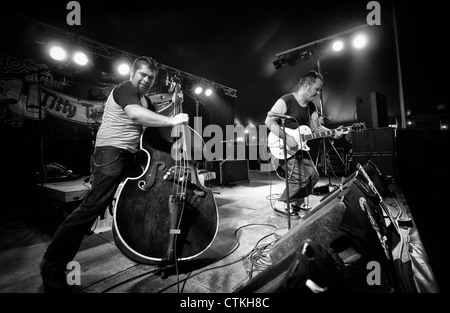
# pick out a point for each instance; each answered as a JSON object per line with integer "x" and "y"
{"x": 229, "y": 171}
{"x": 381, "y": 140}
{"x": 341, "y": 226}
{"x": 384, "y": 161}
{"x": 321, "y": 226}
{"x": 372, "y": 110}
{"x": 377, "y": 145}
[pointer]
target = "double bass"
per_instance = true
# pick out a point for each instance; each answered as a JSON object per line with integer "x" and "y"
{"x": 165, "y": 214}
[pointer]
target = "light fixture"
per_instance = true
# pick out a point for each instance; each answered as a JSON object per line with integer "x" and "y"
{"x": 279, "y": 63}
{"x": 80, "y": 58}
{"x": 360, "y": 41}
{"x": 320, "y": 47}
{"x": 58, "y": 53}
{"x": 121, "y": 65}
{"x": 337, "y": 45}
{"x": 202, "y": 88}
{"x": 123, "y": 69}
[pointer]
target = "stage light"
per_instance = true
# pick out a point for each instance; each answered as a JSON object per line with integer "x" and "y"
{"x": 58, "y": 53}
{"x": 360, "y": 41}
{"x": 306, "y": 55}
{"x": 80, "y": 58}
{"x": 280, "y": 62}
{"x": 121, "y": 65}
{"x": 337, "y": 45}
{"x": 202, "y": 88}
{"x": 277, "y": 64}
{"x": 123, "y": 69}
{"x": 198, "y": 90}
{"x": 321, "y": 47}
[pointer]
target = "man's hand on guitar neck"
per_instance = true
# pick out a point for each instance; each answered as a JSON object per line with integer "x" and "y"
{"x": 339, "y": 132}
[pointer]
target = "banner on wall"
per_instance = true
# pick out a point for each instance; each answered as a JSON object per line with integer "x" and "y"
{"x": 21, "y": 81}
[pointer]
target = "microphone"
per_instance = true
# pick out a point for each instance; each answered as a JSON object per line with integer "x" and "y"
{"x": 320, "y": 114}
{"x": 287, "y": 117}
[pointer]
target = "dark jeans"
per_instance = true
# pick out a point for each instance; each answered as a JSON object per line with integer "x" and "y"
{"x": 303, "y": 176}
{"x": 109, "y": 165}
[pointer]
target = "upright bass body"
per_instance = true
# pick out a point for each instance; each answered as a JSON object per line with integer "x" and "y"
{"x": 150, "y": 226}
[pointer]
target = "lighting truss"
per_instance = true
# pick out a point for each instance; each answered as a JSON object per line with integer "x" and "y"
{"x": 102, "y": 50}
{"x": 306, "y": 51}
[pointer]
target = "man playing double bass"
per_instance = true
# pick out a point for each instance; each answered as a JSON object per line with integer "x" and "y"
{"x": 127, "y": 111}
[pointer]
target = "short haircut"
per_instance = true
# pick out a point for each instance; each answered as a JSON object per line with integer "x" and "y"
{"x": 145, "y": 61}
{"x": 310, "y": 78}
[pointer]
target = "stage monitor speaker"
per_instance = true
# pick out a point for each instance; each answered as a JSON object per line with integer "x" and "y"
{"x": 384, "y": 161}
{"x": 344, "y": 230}
{"x": 291, "y": 274}
{"x": 320, "y": 225}
{"x": 372, "y": 110}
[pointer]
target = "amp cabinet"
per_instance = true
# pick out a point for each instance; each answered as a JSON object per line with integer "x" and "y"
{"x": 229, "y": 171}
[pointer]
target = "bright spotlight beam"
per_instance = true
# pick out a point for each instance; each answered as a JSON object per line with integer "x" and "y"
{"x": 360, "y": 41}
{"x": 338, "y": 45}
{"x": 58, "y": 53}
{"x": 80, "y": 58}
{"x": 123, "y": 69}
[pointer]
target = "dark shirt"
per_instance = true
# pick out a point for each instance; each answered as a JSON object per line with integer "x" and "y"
{"x": 301, "y": 114}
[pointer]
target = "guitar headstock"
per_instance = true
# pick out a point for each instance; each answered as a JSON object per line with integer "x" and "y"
{"x": 360, "y": 126}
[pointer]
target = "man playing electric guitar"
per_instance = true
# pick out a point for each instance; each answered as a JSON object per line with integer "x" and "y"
{"x": 297, "y": 108}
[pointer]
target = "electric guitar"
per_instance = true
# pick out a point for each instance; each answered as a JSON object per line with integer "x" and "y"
{"x": 302, "y": 135}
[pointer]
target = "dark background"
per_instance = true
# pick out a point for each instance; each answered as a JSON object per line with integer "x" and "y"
{"x": 234, "y": 43}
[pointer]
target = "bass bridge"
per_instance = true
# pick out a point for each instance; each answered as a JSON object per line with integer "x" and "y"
{"x": 183, "y": 176}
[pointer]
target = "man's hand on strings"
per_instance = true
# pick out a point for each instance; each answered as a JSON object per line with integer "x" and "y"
{"x": 291, "y": 143}
{"x": 181, "y": 118}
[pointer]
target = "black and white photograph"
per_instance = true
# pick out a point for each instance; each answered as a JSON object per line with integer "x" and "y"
{"x": 227, "y": 154}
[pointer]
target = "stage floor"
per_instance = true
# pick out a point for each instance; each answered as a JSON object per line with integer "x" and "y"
{"x": 247, "y": 225}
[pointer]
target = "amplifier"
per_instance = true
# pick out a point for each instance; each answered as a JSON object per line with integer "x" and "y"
{"x": 385, "y": 162}
{"x": 229, "y": 171}
{"x": 374, "y": 140}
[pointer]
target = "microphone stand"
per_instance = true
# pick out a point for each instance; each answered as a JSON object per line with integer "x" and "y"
{"x": 196, "y": 103}
{"x": 286, "y": 173}
{"x": 325, "y": 155}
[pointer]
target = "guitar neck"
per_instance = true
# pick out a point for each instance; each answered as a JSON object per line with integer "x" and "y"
{"x": 325, "y": 133}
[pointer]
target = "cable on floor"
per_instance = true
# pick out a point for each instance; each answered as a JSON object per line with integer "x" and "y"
{"x": 184, "y": 280}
